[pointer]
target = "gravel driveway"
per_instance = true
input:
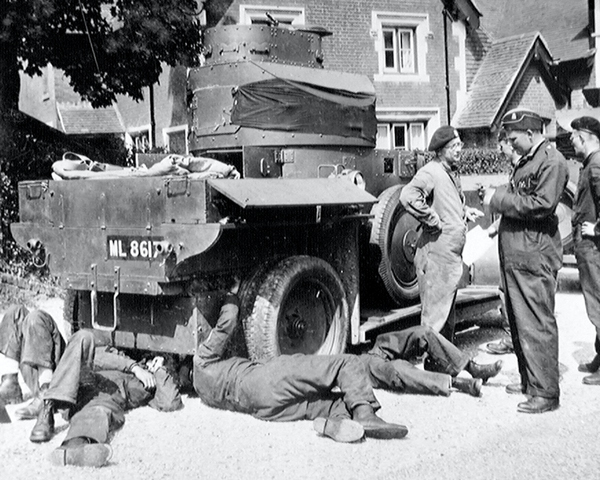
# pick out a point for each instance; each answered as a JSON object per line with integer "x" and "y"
{"x": 460, "y": 437}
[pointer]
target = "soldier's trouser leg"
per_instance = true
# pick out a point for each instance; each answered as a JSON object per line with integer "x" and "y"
{"x": 77, "y": 361}
{"x": 587, "y": 253}
{"x": 103, "y": 403}
{"x": 414, "y": 342}
{"x": 402, "y": 376}
{"x": 96, "y": 420}
{"x": 296, "y": 387}
{"x": 43, "y": 344}
{"x": 438, "y": 280}
{"x": 530, "y": 298}
{"x": 11, "y": 331}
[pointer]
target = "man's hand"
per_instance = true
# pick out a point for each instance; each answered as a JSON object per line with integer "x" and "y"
{"x": 145, "y": 377}
{"x": 473, "y": 214}
{"x": 588, "y": 229}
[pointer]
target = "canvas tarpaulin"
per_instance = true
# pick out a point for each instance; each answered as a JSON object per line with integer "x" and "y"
{"x": 291, "y": 105}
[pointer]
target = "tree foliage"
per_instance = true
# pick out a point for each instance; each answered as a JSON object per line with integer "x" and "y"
{"x": 106, "y": 47}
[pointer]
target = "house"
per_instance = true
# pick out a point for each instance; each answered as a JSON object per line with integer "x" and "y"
{"x": 432, "y": 62}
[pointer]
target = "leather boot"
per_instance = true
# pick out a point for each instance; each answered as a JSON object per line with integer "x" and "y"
{"x": 591, "y": 367}
{"x": 374, "y": 426}
{"x": 44, "y": 427}
{"x": 81, "y": 452}
{"x": 32, "y": 410}
{"x": 472, "y": 386}
{"x": 484, "y": 372}
{"x": 10, "y": 390}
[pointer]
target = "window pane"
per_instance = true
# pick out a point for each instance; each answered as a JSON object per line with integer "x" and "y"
{"x": 383, "y": 137}
{"x": 388, "y": 49}
{"x": 406, "y": 51}
{"x": 417, "y": 136}
{"x": 400, "y": 137}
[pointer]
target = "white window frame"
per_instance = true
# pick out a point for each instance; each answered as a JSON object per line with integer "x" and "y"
{"x": 169, "y": 130}
{"x": 426, "y": 120}
{"x": 383, "y": 142}
{"x": 134, "y": 133}
{"x": 414, "y": 126}
{"x": 293, "y": 15}
{"x": 400, "y": 66}
{"x": 413, "y": 22}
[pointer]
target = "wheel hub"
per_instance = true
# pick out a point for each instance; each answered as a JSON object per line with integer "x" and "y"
{"x": 409, "y": 245}
{"x": 295, "y": 325}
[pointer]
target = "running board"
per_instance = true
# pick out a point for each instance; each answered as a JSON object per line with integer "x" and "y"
{"x": 470, "y": 302}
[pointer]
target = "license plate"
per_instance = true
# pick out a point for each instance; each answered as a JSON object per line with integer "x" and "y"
{"x": 120, "y": 247}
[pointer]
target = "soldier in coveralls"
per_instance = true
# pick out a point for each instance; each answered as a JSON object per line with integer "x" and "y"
{"x": 287, "y": 387}
{"x": 586, "y": 228}
{"x": 434, "y": 197}
{"x": 98, "y": 384}
{"x": 530, "y": 256}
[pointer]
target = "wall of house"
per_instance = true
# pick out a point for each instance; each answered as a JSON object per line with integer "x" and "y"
{"x": 532, "y": 93}
{"x": 37, "y": 97}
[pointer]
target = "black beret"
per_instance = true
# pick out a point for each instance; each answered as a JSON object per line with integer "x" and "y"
{"x": 587, "y": 124}
{"x": 442, "y": 136}
{"x": 522, "y": 119}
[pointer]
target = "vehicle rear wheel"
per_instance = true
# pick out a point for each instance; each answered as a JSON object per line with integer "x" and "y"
{"x": 300, "y": 307}
{"x": 394, "y": 236}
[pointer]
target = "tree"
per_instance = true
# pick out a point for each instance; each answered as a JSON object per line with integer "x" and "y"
{"x": 106, "y": 47}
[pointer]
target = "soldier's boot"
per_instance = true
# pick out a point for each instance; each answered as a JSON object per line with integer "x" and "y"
{"x": 10, "y": 390}
{"x": 339, "y": 429}
{"x": 80, "y": 452}
{"x": 33, "y": 409}
{"x": 472, "y": 386}
{"x": 591, "y": 367}
{"x": 376, "y": 427}
{"x": 44, "y": 427}
{"x": 484, "y": 372}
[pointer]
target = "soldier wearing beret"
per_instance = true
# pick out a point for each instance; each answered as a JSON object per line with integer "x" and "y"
{"x": 434, "y": 197}
{"x": 530, "y": 251}
{"x": 586, "y": 228}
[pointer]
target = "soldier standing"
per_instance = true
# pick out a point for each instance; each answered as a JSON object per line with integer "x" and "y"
{"x": 530, "y": 256}
{"x": 586, "y": 229}
{"x": 434, "y": 197}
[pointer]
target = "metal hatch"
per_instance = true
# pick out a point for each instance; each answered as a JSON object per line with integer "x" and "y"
{"x": 261, "y": 193}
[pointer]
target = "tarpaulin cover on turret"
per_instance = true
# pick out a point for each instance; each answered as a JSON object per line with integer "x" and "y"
{"x": 306, "y": 100}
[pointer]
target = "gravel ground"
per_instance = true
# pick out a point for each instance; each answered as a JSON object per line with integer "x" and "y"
{"x": 460, "y": 437}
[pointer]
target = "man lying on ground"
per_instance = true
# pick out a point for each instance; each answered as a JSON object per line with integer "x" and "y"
{"x": 98, "y": 384}
{"x": 288, "y": 387}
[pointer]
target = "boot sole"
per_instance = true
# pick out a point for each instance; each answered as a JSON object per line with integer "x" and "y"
{"x": 341, "y": 430}
{"x": 93, "y": 455}
{"x": 386, "y": 433}
{"x": 539, "y": 410}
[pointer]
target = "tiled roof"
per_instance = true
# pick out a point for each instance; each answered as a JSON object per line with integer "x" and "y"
{"x": 494, "y": 80}
{"x": 563, "y": 24}
{"x": 82, "y": 119}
